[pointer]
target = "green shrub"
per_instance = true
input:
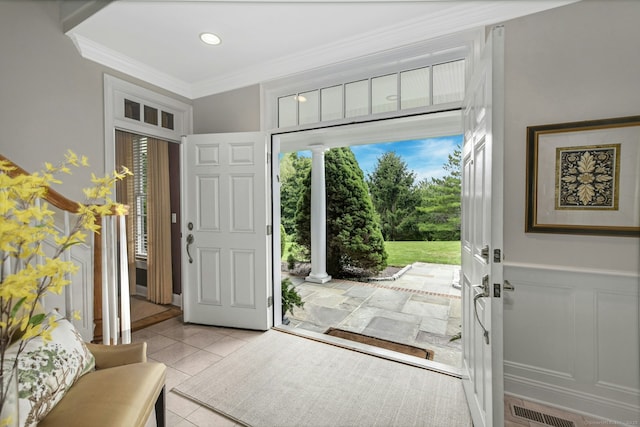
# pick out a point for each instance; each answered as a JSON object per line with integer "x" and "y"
{"x": 290, "y": 297}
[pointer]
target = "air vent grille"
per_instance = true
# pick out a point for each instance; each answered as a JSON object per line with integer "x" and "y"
{"x": 540, "y": 417}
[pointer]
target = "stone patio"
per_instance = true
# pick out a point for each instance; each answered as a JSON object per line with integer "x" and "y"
{"x": 421, "y": 308}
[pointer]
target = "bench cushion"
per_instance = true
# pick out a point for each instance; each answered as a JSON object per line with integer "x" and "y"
{"x": 47, "y": 369}
{"x": 113, "y": 397}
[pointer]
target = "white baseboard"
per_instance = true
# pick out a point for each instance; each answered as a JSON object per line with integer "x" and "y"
{"x": 177, "y": 300}
{"x": 571, "y": 400}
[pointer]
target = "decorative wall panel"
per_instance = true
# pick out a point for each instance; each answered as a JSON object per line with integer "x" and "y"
{"x": 571, "y": 340}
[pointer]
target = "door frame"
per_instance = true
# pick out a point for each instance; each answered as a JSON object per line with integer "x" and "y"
{"x": 115, "y": 90}
{"x": 443, "y": 123}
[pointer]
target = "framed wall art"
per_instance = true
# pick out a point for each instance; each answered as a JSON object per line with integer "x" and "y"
{"x": 584, "y": 177}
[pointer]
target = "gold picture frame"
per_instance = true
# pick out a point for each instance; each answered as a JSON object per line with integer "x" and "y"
{"x": 584, "y": 178}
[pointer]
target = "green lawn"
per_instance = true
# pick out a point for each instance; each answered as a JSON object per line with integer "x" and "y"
{"x": 405, "y": 253}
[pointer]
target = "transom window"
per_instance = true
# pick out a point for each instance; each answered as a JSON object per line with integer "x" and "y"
{"x": 436, "y": 84}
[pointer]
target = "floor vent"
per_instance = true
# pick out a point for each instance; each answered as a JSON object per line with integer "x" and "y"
{"x": 540, "y": 417}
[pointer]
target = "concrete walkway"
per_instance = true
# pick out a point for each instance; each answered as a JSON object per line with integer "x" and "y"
{"x": 421, "y": 308}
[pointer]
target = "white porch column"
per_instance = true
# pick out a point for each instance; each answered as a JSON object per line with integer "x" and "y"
{"x": 318, "y": 218}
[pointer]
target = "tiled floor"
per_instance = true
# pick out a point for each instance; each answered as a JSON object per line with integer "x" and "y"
{"x": 189, "y": 349}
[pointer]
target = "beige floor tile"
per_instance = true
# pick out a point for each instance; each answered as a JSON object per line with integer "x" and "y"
{"x": 173, "y": 353}
{"x": 142, "y": 335}
{"x": 165, "y": 325}
{"x": 203, "y": 338}
{"x": 243, "y": 334}
{"x": 225, "y": 346}
{"x": 155, "y": 343}
{"x": 196, "y": 362}
{"x": 180, "y": 332}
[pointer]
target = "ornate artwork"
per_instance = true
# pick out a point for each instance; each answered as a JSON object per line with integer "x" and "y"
{"x": 587, "y": 177}
{"x": 584, "y": 177}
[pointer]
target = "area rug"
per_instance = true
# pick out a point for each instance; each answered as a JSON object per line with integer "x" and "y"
{"x": 145, "y": 313}
{"x": 281, "y": 379}
{"x": 378, "y": 342}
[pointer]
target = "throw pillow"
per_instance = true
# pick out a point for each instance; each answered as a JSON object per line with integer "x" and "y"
{"x": 47, "y": 370}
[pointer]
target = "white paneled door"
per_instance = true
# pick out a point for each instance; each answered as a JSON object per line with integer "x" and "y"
{"x": 482, "y": 202}
{"x": 224, "y": 231}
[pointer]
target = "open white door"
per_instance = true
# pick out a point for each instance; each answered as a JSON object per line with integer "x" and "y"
{"x": 225, "y": 261}
{"x": 482, "y": 159}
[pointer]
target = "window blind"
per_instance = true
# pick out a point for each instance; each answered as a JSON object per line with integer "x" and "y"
{"x": 140, "y": 195}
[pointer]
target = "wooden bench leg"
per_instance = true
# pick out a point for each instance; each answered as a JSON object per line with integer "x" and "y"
{"x": 160, "y": 409}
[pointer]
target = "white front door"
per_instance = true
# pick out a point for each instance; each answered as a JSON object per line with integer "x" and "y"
{"x": 226, "y": 281}
{"x": 482, "y": 173}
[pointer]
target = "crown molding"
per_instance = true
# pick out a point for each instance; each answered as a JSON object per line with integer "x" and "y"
{"x": 102, "y": 55}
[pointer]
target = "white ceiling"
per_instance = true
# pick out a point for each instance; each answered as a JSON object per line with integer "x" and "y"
{"x": 157, "y": 41}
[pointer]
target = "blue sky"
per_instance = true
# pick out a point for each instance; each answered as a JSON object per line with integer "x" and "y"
{"x": 425, "y": 157}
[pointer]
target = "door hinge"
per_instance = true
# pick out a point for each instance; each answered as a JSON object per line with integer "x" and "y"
{"x": 269, "y": 230}
{"x": 496, "y": 290}
{"x": 269, "y": 301}
{"x": 497, "y": 256}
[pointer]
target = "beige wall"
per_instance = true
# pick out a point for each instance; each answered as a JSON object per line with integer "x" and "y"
{"x": 51, "y": 99}
{"x": 233, "y": 111}
{"x": 578, "y": 62}
{"x": 571, "y": 326}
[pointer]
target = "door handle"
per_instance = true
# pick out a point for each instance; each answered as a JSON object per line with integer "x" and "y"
{"x": 484, "y": 253}
{"x": 190, "y": 240}
{"x": 484, "y": 287}
{"x": 508, "y": 286}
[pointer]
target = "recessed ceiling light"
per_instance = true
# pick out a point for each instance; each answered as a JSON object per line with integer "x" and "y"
{"x": 210, "y": 38}
{"x": 300, "y": 98}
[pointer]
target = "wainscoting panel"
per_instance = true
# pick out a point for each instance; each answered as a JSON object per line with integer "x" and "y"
{"x": 78, "y": 295}
{"x": 82, "y": 290}
{"x": 571, "y": 340}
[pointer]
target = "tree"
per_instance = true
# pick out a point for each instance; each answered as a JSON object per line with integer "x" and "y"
{"x": 354, "y": 239}
{"x": 393, "y": 194}
{"x": 293, "y": 170}
{"x": 440, "y": 208}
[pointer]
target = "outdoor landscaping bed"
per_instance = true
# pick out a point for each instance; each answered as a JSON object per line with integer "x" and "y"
{"x": 302, "y": 269}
